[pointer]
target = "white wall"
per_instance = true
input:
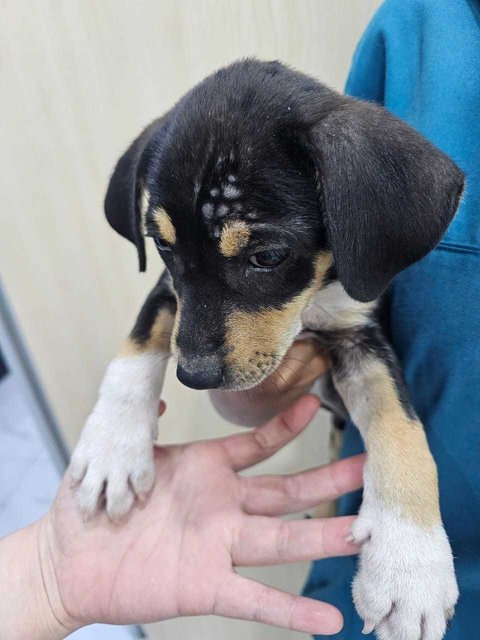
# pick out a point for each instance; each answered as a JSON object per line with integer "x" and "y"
{"x": 79, "y": 80}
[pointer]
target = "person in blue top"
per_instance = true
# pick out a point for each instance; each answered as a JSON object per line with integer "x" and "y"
{"x": 421, "y": 60}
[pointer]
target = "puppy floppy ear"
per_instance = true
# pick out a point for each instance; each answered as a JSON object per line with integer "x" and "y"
{"x": 124, "y": 194}
{"x": 388, "y": 194}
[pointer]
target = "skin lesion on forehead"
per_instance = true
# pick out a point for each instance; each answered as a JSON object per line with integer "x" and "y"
{"x": 165, "y": 225}
{"x": 234, "y": 237}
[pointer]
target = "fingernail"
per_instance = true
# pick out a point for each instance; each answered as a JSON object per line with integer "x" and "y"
{"x": 350, "y": 538}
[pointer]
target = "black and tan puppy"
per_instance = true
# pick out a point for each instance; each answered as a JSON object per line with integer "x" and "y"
{"x": 280, "y": 206}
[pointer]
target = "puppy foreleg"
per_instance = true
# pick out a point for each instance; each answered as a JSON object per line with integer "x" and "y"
{"x": 115, "y": 452}
{"x": 405, "y": 587}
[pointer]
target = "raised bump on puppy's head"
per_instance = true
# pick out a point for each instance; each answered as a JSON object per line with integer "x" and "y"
{"x": 165, "y": 225}
{"x": 234, "y": 237}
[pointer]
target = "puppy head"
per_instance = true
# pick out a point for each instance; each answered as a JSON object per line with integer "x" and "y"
{"x": 258, "y": 188}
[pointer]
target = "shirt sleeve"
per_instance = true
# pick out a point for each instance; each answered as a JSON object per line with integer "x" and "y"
{"x": 366, "y": 79}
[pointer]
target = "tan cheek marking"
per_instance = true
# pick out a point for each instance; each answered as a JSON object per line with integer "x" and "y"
{"x": 263, "y": 332}
{"x": 165, "y": 225}
{"x": 400, "y": 461}
{"x": 270, "y": 331}
{"x": 158, "y": 340}
{"x": 323, "y": 263}
{"x": 234, "y": 237}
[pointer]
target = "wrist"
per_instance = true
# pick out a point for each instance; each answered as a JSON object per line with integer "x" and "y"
{"x": 30, "y": 603}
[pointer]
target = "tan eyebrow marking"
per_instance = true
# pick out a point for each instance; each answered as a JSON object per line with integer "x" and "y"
{"x": 165, "y": 225}
{"x": 235, "y": 236}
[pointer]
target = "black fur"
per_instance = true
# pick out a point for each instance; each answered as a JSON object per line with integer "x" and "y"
{"x": 348, "y": 349}
{"x": 122, "y": 201}
{"x": 310, "y": 170}
{"x": 388, "y": 194}
{"x": 385, "y": 194}
{"x": 161, "y": 297}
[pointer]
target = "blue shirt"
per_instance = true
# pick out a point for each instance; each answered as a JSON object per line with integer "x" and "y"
{"x": 421, "y": 60}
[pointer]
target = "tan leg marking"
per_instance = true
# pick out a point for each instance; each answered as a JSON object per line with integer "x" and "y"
{"x": 158, "y": 340}
{"x": 176, "y": 325}
{"x": 256, "y": 341}
{"x": 165, "y": 225}
{"x": 400, "y": 461}
{"x": 235, "y": 236}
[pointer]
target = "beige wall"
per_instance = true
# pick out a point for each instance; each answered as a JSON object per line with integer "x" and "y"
{"x": 78, "y": 81}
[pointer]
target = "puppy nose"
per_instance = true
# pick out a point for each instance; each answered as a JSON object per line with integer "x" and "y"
{"x": 200, "y": 375}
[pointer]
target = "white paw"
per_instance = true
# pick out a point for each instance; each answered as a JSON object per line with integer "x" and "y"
{"x": 405, "y": 587}
{"x": 114, "y": 459}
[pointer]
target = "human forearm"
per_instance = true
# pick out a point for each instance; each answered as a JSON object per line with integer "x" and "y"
{"x": 27, "y": 610}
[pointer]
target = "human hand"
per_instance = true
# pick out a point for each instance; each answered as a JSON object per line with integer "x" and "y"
{"x": 303, "y": 363}
{"x": 176, "y": 555}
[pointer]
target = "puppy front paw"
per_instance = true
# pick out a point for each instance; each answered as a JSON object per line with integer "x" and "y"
{"x": 113, "y": 462}
{"x": 405, "y": 588}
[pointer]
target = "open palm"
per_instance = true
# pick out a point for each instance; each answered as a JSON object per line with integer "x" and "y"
{"x": 176, "y": 554}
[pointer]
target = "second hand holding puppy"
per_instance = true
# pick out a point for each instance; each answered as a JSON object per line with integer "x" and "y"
{"x": 303, "y": 364}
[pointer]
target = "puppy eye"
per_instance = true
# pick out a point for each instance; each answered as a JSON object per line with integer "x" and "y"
{"x": 161, "y": 244}
{"x": 269, "y": 258}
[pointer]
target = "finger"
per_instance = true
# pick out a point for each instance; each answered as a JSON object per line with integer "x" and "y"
{"x": 162, "y": 407}
{"x": 247, "y": 449}
{"x": 267, "y": 541}
{"x": 246, "y": 599}
{"x": 279, "y": 495}
{"x": 302, "y": 360}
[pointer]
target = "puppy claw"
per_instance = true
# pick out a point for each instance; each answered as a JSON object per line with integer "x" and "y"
{"x": 368, "y": 627}
{"x": 408, "y": 566}
{"x": 449, "y": 613}
{"x": 109, "y": 469}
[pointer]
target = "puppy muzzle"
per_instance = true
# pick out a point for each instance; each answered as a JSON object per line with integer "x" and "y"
{"x": 201, "y": 372}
